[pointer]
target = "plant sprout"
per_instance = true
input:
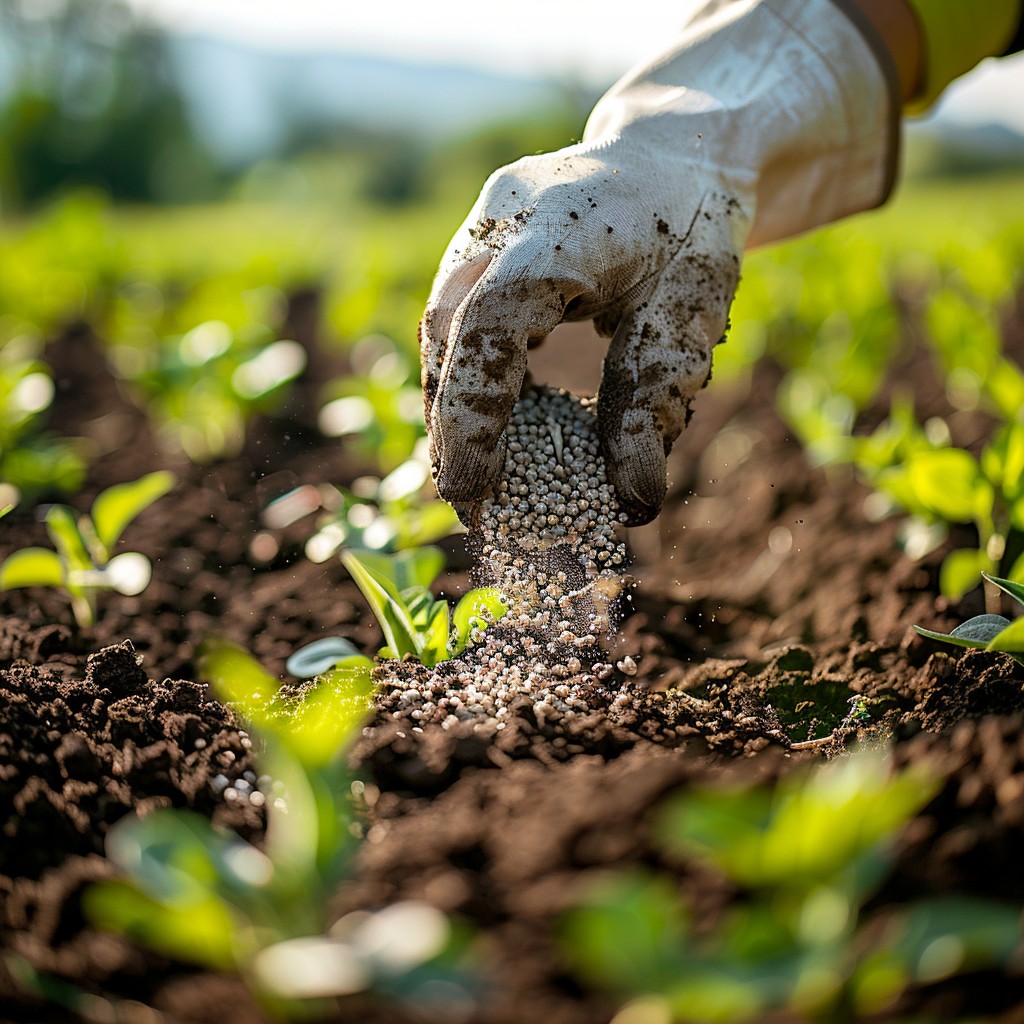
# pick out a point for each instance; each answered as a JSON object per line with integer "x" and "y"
{"x": 82, "y": 562}
{"x": 950, "y": 485}
{"x": 414, "y": 622}
{"x": 806, "y": 857}
{"x": 202, "y": 894}
{"x": 989, "y": 632}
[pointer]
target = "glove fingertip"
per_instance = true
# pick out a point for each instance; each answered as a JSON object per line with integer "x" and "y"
{"x": 467, "y": 474}
{"x": 640, "y": 500}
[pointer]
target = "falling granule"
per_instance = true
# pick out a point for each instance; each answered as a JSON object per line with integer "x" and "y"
{"x": 548, "y": 536}
{"x": 548, "y": 539}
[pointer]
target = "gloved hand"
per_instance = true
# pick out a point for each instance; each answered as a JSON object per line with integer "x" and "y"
{"x": 767, "y": 117}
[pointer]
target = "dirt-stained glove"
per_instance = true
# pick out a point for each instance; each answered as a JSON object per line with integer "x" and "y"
{"x": 767, "y": 117}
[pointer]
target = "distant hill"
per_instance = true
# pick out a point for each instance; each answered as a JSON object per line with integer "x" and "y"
{"x": 245, "y": 101}
{"x": 954, "y": 148}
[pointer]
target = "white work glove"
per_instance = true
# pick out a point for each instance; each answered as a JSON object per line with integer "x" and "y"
{"x": 765, "y": 118}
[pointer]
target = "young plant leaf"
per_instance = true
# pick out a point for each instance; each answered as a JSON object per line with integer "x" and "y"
{"x": 477, "y": 610}
{"x": 67, "y": 538}
{"x": 948, "y": 638}
{"x": 1011, "y": 587}
{"x": 984, "y": 632}
{"x": 414, "y": 567}
{"x": 386, "y": 604}
{"x": 117, "y": 506}
{"x": 436, "y": 634}
{"x": 322, "y": 726}
{"x": 948, "y": 483}
{"x": 420, "y": 603}
{"x": 1010, "y": 640}
{"x": 312, "y": 730}
{"x": 319, "y": 656}
{"x": 237, "y": 677}
{"x": 961, "y": 572}
{"x": 200, "y": 932}
{"x": 31, "y": 567}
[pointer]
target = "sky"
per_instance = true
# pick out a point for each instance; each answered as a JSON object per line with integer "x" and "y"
{"x": 592, "y": 40}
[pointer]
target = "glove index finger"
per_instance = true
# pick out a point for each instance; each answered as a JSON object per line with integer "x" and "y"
{"x": 482, "y": 373}
{"x": 448, "y": 294}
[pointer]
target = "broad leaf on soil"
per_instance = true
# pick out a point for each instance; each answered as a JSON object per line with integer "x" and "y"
{"x": 314, "y": 729}
{"x": 957, "y": 641}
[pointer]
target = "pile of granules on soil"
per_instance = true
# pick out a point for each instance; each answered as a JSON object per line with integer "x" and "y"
{"x": 547, "y": 539}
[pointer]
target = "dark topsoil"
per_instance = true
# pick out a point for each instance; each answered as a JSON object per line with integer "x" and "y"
{"x": 764, "y": 589}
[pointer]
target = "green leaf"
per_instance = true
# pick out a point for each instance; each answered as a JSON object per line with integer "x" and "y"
{"x": 1011, "y": 587}
{"x": 237, "y": 676}
{"x": 319, "y": 656}
{"x": 1005, "y": 386}
{"x": 420, "y": 603}
{"x": 627, "y": 933}
{"x": 67, "y": 538}
{"x": 436, "y": 634}
{"x": 477, "y": 610}
{"x": 415, "y": 567}
{"x": 823, "y": 826}
{"x": 386, "y": 604}
{"x": 948, "y": 482}
{"x": 961, "y": 572}
{"x": 1010, "y": 640}
{"x": 200, "y": 932}
{"x": 313, "y": 728}
{"x": 117, "y": 506}
{"x": 31, "y": 567}
{"x": 326, "y": 722}
{"x": 956, "y": 641}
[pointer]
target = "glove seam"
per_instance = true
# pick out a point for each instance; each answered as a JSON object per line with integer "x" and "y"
{"x": 887, "y": 66}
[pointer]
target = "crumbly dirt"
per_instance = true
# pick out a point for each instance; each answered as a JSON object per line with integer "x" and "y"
{"x": 767, "y": 599}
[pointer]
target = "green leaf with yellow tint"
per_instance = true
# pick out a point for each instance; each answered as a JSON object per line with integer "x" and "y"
{"x": 117, "y": 506}
{"x": 31, "y": 567}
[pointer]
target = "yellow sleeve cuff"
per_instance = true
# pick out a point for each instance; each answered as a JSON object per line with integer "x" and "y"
{"x": 956, "y": 35}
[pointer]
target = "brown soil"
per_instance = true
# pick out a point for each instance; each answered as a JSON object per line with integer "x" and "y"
{"x": 766, "y": 596}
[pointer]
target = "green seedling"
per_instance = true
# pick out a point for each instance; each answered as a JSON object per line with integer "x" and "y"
{"x": 203, "y": 895}
{"x": 805, "y": 858}
{"x": 950, "y": 485}
{"x": 397, "y": 589}
{"x": 963, "y": 330}
{"x": 413, "y": 621}
{"x": 989, "y": 632}
{"x": 82, "y": 562}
